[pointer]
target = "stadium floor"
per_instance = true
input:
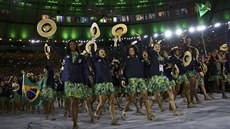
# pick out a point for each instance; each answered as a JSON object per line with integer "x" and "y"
{"x": 213, "y": 114}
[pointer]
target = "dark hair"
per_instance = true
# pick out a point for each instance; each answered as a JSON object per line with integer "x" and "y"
{"x": 101, "y": 49}
{"x": 68, "y": 49}
{"x": 134, "y": 47}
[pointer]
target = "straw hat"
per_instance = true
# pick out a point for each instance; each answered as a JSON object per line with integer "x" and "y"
{"x": 187, "y": 59}
{"x": 15, "y": 86}
{"x": 175, "y": 71}
{"x": 46, "y": 48}
{"x": 115, "y": 29}
{"x": 224, "y": 47}
{"x": 46, "y": 27}
{"x": 95, "y": 31}
{"x": 158, "y": 42}
{"x": 174, "y": 48}
{"x": 87, "y": 46}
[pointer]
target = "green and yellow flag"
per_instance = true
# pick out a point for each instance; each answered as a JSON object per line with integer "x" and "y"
{"x": 202, "y": 9}
{"x": 31, "y": 90}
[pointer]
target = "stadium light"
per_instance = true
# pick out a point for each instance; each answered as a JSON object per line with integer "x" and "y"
{"x": 217, "y": 25}
{"x": 179, "y": 32}
{"x": 168, "y": 34}
{"x": 155, "y": 35}
{"x": 201, "y": 28}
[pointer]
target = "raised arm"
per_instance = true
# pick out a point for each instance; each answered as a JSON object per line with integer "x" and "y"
{"x": 57, "y": 50}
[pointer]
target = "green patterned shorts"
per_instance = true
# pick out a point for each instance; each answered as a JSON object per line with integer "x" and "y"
{"x": 135, "y": 85}
{"x": 160, "y": 83}
{"x": 47, "y": 94}
{"x": 182, "y": 79}
{"x": 103, "y": 88}
{"x": 77, "y": 90}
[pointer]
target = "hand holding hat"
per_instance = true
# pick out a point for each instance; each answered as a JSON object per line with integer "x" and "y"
{"x": 95, "y": 31}
{"x": 119, "y": 30}
{"x": 138, "y": 36}
{"x": 47, "y": 50}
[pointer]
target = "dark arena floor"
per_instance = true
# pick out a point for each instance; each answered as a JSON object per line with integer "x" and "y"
{"x": 211, "y": 114}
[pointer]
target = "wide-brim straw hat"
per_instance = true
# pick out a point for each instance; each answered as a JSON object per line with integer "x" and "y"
{"x": 46, "y": 28}
{"x": 119, "y": 26}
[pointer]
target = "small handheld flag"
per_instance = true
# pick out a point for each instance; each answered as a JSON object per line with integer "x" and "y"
{"x": 203, "y": 9}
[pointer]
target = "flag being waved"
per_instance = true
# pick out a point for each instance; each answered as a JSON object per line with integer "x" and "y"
{"x": 31, "y": 90}
{"x": 202, "y": 9}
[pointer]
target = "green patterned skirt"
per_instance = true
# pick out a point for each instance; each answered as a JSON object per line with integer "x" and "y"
{"x": 182, "y": 79}
{"x": 47, "y": 94}
{"x": 77, "y": 90}
{"x": 61, "y": 94}
{"x": 200, "y": 80}
{"x": 214, "y": 77}
{"x": 103, "y": 88}
{"x": 89, "y": 91}
{"x": 17, "y": 98}
{"x": 228, "y": 77}
{"x": 191, "y": 73}
{"x": 135, "y": 85}
{"x": 118, "y": 89}
{"x": 160, "y": 83}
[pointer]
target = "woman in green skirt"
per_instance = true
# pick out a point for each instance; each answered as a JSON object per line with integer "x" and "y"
{"x": 74, "y": 75}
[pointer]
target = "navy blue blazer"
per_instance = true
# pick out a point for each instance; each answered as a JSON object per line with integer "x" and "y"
{"x": 134, "y": 66}
{"x": 101, "y": 69}
{"x": 179, "y": 64}
{"x": 76, "y": 72}
{"x": 155, "y": 63}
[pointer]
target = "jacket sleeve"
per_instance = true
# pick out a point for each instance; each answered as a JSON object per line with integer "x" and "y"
{"x": 50, "y": 79}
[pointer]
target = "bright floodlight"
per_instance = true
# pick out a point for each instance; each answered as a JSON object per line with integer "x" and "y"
{"x": 179, "y": 32}
{"x": 145, "y": 36}
{"x": 201, "y": 28}
{"x": 32, "y": 41}
{"x": 168, "y": 34}
{"x": 217, "y": 25}
{"x": 191, "y": 29}
{"x": 155, "y": 35}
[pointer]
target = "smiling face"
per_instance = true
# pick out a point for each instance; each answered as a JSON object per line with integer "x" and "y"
{"x": 157, "y": 48}
{"x": 131, "y": 51}
{"x": 102, "y": 53}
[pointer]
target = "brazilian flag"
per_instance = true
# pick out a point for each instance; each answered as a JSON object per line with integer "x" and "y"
{"x": 32, "y": 90}
{"x": 202, "y": 9}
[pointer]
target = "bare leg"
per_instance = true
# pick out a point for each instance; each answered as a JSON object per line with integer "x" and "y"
{"x": 173, "y": 104}
{"x": 159, "y": 101}
{"x": 75, "y": 102}
{"x": 129, "y": 99}
{"x": 150, "y": 114}
{"x": 223, "y": 89}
